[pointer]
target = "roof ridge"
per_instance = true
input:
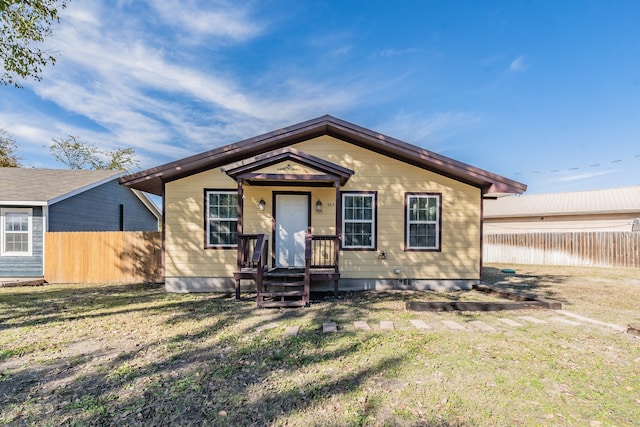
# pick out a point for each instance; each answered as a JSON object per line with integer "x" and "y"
{"x": 152, "y": 179}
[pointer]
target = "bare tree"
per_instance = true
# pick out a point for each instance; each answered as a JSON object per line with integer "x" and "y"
{"x": 8, "y": 147}
{"x": 76, "y": 154}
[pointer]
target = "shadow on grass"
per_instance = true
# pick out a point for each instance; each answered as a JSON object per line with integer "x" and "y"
{"x": 193, "y": 383}
{"x": 209, "y": 373}
{"x": 23, "y": 307}
{"x": 541, "y": 286}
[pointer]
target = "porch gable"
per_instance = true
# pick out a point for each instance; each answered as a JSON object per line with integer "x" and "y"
{"x": 288, "y": 164}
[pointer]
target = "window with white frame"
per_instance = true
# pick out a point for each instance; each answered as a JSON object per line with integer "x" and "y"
{"x": 422, "y": 221}
{"x": 359, "y": 220}
{"x": 16, "y": 228}
{"x": 222, "y": 218}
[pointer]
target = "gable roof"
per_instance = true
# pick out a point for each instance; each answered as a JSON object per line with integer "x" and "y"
{"x": 48, "y": 186}
{"x": 244, "y": 168}
{"x": 151, "y": 180}
{"x": 44, "y": 187}
{"x": 612, "y": 200}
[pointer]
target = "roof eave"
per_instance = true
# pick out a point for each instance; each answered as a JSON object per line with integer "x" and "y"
{"x": 151, "y": 180}
{"x": 563, "y": 214}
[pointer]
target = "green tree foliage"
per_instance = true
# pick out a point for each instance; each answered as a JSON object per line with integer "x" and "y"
{"x": 76, "y": 154}
{"x": 8, "y": 158}
{"x": 24, "y": 25}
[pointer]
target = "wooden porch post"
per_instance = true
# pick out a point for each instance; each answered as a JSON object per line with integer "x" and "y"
{"x": 338, "y": 244}
{"x": 239, "y": 230}
{"x": 338, "y": 209}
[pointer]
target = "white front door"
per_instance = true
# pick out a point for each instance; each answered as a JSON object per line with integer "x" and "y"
{"x": 292, "y": 221}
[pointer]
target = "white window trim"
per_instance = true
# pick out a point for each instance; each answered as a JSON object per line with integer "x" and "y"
{"x": 208, "y": 220}
{"x": 408, "y": 222}
{"x": 29, "y": 212}
{"x": 372, "y": 220}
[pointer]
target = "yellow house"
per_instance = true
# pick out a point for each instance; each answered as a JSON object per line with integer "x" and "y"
{"x": 323, "y": 203}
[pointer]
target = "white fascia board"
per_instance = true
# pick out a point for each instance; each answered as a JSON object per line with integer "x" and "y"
{"x": 22, "y": 203}
{"x": 148, "y": 203}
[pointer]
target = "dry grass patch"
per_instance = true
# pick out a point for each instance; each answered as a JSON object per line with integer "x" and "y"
{"x": 606, "y": 294}
{"x": 134, "y": 355}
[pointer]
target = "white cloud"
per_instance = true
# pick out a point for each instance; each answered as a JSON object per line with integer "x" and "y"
{"x": 584, "y": 176}
{"x": 394, "y": 52}
{"x": 224, "y": 19}
{"x": 123, "y": 70}
{"x": 518, "y": 64}
{"x": 122, "y": 86}
{"x": 432, "y": 128}
{"x": 126, "y": 87}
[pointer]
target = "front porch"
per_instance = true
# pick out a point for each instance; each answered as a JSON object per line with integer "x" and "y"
{"x": 295, "y": 242}
{"x": 287, "y": 287}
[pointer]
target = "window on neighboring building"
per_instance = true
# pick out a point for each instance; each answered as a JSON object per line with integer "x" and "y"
{"x": 422, "y": 221}
{"x": 16, "y": 230}
{"x": 222, "y": 218}
{"x": 359, "y": 220}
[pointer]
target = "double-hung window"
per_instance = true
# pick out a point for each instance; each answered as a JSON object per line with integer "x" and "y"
{"x": 422, "y": 221}
{"x": 222, "y": 218}
{"x": 16, "y": 231}
{"x": 359, "y": 220}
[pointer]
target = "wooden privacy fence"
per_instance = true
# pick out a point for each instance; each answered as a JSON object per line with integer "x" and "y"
{"x": 597, "y": 249}
{"x": 103, "y": 257}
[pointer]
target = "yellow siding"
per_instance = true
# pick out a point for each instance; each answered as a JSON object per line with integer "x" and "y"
{"x": 460, "y": 255}
{"x": 459, "y": 258}
{"x": 184, "y": 228}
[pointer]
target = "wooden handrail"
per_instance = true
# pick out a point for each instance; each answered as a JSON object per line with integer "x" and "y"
{"x": 320, "y": 252}
{"x": 308, "y": 246}
{"x": 324, "y": 236}
{"x": 260, "y": 260}
{"x": 259, "y": 248}
{"x": 308, "y": 251}
{"x": 325, "y": 251}
{"x": 244, "y": 247}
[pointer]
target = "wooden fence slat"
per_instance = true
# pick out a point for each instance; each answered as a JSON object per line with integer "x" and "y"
{"x": 103, "y": 257}
{"x": 604, "y": 249}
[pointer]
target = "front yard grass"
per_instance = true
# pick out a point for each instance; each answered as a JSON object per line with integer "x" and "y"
{"x": 135, "y": 355}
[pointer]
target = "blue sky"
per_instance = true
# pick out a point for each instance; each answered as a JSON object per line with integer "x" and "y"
{"x": 543, "y": 92}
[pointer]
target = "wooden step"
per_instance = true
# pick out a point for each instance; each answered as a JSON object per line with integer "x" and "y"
{"x": 283, "y": 278}
{"x": 267, "y": 304}
{"x": 283, "y": 284}
{"x": 282, "y": 294}
{"x": 283, "y": 288}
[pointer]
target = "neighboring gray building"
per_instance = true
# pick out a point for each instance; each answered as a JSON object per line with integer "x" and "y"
{"x": 34, "y": 201}
{"x": 613, "y": 209}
